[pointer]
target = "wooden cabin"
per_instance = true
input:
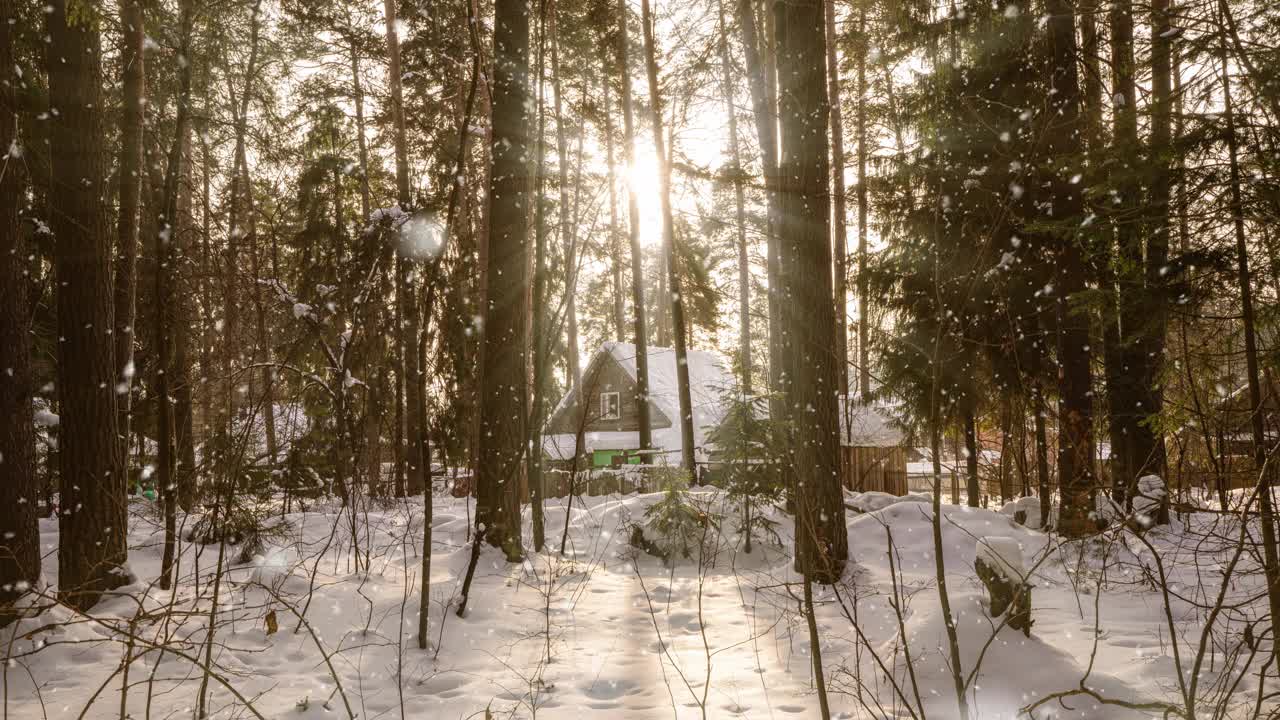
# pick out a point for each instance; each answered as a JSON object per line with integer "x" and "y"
{"x": 1219, "y": 454}
{"x": 607, "y": 412}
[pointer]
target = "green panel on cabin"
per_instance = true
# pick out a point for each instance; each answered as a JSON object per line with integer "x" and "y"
{"x": 604, "y": 458}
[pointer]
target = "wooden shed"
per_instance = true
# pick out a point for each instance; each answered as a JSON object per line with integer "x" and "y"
{"x": 873, "y": 455}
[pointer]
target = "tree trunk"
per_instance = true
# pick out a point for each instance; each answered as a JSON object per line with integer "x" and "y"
{"x": 764, "y": 109}
{"x": 94, "y": 517}
{"x": 1042, "y": 459}
{"x": 182, "y": 317}
{"x": 19, "y": 483}
{"x": 615, "y": 244}
{"x": 641, "y": 327}
{"x": 566, "y": 233}
{"x": 1006, "y": 447}
{"x": 188, "y": 483}
{"x": 1149, "y": 449}
{"x": 539, "y": 344}
{"x": 1271, "y": 555}
{"x": 132, "y": 121}
{"x": 805, "y": 259}
{"x": 864, "y": 295}
{"x": 739, "y": 206}
{"x": 416, "y": 474}
{"x": 679, "y": 330}
{"x": 165, "y": 240}
{"x": 1122, "y": 352}
{"x": 397, "y": 446}
{"x": 232, "y": 298}
{"x": 482, "y": 278}
{"x": 357, "y": 94}
{"x": 503, "y": 406}
{"x": 972, "y": 486}
{"x": 839, "y": 235}
{"x": 1075, "y": 425}
{"x": 373, "y": 310}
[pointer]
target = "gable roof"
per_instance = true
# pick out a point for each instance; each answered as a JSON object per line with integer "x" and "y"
{"x": 709, "y": 379}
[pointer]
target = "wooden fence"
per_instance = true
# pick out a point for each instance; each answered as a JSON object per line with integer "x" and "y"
{"x": 882, "y": 469}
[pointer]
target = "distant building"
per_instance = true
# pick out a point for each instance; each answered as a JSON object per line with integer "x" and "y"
{"x": 611, "y": 422}
{"x": 873, "y": 455}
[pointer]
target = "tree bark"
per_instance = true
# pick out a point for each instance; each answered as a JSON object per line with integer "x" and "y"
{"x": 93, "y": 517}
{"x": 805, "y": 259}
{"x": 1125, "y": 363}
{"x": 132, "y": 122}
{"x": 739, "y": 207}
{"x": 1271, "y": 554}
{"x": 641, "y": 326}
{"x": 764, "y": 109}
{"x": 417, "y": 476}
{"x": 1045, "y": 489}
{"x": 231, "y": 340}
{"x": 1149, "y": 449}
{"x": 679, "y": 330}
{"x": 362, "y": 144}
{"x": 615, "y": 244}
{"x": 864, "y": 294}
{"x": 839, "y": 235}
{"x": 182, "y": 316}
{"x": 19, "y": 482}
{"x": 539, "y": 344}
{"x": 972, "y": 486}
{"x": 1075, "y": 425}
{"x": 565, "y": 229}
{"x": 503, "y": 407}
{"x": 164, "y": 242}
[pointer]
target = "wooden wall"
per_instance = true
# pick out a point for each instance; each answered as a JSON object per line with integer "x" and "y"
{"x": 883, "y": 469}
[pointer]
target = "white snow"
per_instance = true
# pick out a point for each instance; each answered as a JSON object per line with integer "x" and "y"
{"x": 874, "y": 500}
{"x": 1004, "y": 555}
{"x": 1151, "y": 492}
{"x": 625, "y": 636}
{"x": 1029, "y": 505}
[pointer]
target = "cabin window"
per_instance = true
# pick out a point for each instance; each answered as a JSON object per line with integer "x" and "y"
{"x": 610, "y": 406}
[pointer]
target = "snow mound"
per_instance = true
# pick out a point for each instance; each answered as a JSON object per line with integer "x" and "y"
{"x": 1028, "y": 505}
{"x": 1004, "y": 555}
{"x": 874, "y": 500}
{"x": 1151, "y": 493}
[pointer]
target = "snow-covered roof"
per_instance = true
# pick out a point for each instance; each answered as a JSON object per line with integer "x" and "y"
{"x": 867, "y": 426}
{"x": 709, "y": 379}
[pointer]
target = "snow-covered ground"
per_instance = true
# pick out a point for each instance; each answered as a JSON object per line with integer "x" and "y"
{"x": 607, "y": 632}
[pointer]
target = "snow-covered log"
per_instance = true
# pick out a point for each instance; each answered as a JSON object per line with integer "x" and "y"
{"x": 1000, "y": 568}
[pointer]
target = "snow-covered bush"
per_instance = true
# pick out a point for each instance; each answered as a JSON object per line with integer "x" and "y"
{"x": 248, "y": 526}
{"x": 674, "y": 526}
